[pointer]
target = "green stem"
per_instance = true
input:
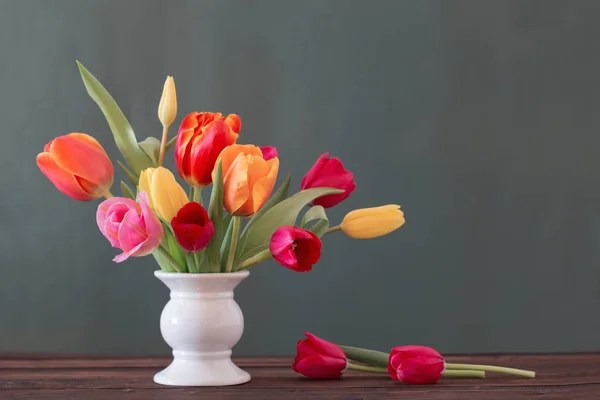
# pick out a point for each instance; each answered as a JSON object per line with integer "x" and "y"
{"x": 366, "y": 368}
{"x": 108, "y": 194}
{"x": 463, "y": 374}
{"x": 262, "y": 256}
{"x": 492, "y": 368}
{"x": 165, "y": 253}
{"x": 197, "y": 194}
{"x": 198, "y": 260}
{"x": 236, "y": 221}
{"x": 163, "y": 145}
{"x": 334, "y": 229}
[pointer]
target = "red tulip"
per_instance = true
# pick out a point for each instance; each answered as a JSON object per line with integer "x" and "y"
{"x": 268, "y": 152}
{"x": 295, "y": 248}
{"x": 201, "y": 138}
{"x": 329, "y": 172}
{"x": 193, "y": 230}
{"x": 78, "y": 166}
{"x": 419, "y": 365}
{"x": 319, "y": 359}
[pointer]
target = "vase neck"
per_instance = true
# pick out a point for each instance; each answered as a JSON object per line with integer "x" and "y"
{"x": 201, "y": 285}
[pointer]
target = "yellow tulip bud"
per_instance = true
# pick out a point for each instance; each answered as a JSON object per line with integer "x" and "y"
{"x": 165, "y": 195}
{"x": 167, "y": 108}
{"x": 368, "y": 223}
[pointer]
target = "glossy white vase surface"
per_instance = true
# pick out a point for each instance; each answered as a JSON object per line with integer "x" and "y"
{"x": 201, "y": 323}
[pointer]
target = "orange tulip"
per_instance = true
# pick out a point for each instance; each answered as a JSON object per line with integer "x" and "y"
{"x": 201, "y": 138}
{"x": 78, "y": 166}
{"x": 248, "y": 179}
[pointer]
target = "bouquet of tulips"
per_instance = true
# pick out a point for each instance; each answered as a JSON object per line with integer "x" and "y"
{"x": 319, "y": 359}
{"x": 246, "y": 221}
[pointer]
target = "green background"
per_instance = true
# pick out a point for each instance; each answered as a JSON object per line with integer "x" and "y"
{"x": 479, "y": 117}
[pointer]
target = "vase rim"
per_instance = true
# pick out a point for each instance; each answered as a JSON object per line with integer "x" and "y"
{"x": 206, "y": 275}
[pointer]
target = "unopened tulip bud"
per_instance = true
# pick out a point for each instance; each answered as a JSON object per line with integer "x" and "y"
{"x": 368, "y": 223}
{"x": 167, "y": 109}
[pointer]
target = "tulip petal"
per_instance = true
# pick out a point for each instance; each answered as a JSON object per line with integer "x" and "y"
{"x": 281, "y": 241}
{"x": 115, "y": 214}
{"x": 63, "y": 180}
{"x": 183, "y": 144}
{"x": 263, "y": 186}
{"x": 325, "y": 347}
{"x": 167, "y": 195}
{"x": 234, "y": 121}
{"x": 206, "y": 148}
{"x": 152, "y": 226}
{"x": 320, "y": 367}
{"x": 314, "y": 172}
{"x": 83, "y": 137}
{"x": 268, "y": 152}
{"x": 230, "y": 153}
{"x": 235, "y": 184}
{"x": 83, "y": 159}
{"x": 131, "y": 230}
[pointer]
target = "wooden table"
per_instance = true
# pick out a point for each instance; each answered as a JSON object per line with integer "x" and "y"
{"x": 33, "y": 377}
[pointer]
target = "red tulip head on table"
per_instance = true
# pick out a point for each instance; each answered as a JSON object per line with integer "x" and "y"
{"x": 319, "y": 359}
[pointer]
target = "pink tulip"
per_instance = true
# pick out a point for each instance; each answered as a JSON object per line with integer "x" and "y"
{"x": 295, "y": 248}
{"x": 129, "y": 226}
{"x": 329, "y": 172}
{"x": 268, "y": 152}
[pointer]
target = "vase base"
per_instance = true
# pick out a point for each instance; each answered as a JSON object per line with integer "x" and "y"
{"x": 202, "y": 373}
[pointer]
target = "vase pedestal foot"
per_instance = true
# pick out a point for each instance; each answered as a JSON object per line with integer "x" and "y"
{"x": 213, "y": 369}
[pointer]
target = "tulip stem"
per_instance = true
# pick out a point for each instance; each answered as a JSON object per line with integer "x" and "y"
{"x": 197, "y": 194}
{"x": 366, "y": 368}
{"x": 463, "y": 374}
{"x": 163, "y": 145}
{"x": 108, "y": 194}
{"x": 262, "y": 256}
{"x": 334, "y": 229}
{"x": 236, "y": 221}
{"x": 492, "y": 368}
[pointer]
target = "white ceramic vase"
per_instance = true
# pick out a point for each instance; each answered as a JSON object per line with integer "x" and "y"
{"x": 201, "y": 322}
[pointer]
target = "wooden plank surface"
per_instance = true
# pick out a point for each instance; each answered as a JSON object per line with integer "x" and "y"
{"x": 32, "y": 377}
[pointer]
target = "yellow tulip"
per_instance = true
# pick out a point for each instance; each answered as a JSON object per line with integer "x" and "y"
{"x": 248, "y": 179}
{"x": 367, "y": 223}
{"x": 167, "y": 108}
{"x": 165, "y": 195}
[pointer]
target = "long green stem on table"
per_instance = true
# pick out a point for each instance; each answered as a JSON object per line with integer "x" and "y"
{"x": 367, "y": 368}
{"x": 334, "y": 229}
{"x": 446, "y": 373}
{"x": 492, "y": 368}
{"x": 262, "y": 256}
{"x": 451, "y": 373}
{"x": 236, "y": 221}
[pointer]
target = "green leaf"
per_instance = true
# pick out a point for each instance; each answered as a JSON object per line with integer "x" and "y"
{"x": 120, "y": 127}
{"x": 370, "y": 357}
{"x": 284, "y": 213}
{"x": 316, "y": 213}
{"x": 127, "y": 191}
{"x": 151, "y": 146}
{"x": 165, "y": 261}
{"x": 215, "y": 213}
{"x": 226, "y": 242}
{"x": 130, "y": 175}
{"x": 226, "y": 222}
{"x": 175, "y": 249}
